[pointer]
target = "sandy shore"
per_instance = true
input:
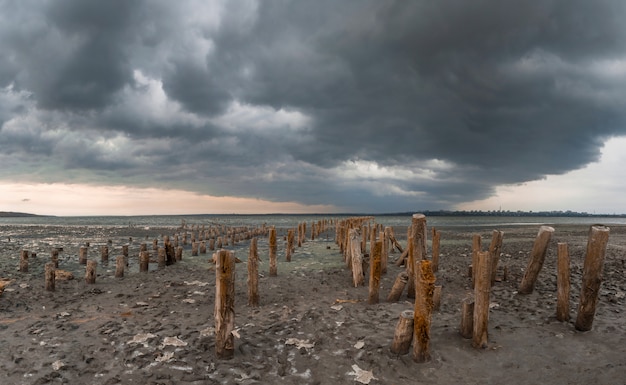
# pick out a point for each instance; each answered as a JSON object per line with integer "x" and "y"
{"x": 312, "y": 326}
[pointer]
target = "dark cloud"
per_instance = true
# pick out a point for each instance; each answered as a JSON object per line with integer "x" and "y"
{"x": 280, "y": 99}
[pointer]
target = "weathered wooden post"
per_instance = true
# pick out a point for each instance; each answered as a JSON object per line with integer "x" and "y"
{"x": 436, "y": 247}
{"x": 424, "y": 288}
{"x": 537, "y": 256}
{"x": 374, "y": 282}
{"x": 562, "y": 282}
{"x": 417, "y": 237}
{"x": 398, "y": 286}
{"x": 144, "y": 261}
{"x": 288, "y": 249}
{"x": 82, "y": 255}
{"x": 54, "y": 257}
{"x": 273, "y": 250}
{"x": 224, "y": 304}
{"x": 476, "y": 248}
{"x": 481, "y": 300}
{"x": 437, "y": 297}
{"x": 179, "y": 253}
{"x": 50, "y": 276}
{"x": 161, "y": 258}
{"x": 120, "y": 263}
{"x": 212, "y": 244}
{"x": 495, "y": 248}
{"x": 467, "y": 318}
{"x": 125, "y": 251}
{"x": 384, "y": 257}
{"x": 253, "y": 274}
{"x": 194, "y": 249}
{"x": 24, "y": 261}
{"x": 592, "y": 276}
{"x": 356, "y": 257}
{"x": 90, "y": 272}
{"x": 403, "y": 335}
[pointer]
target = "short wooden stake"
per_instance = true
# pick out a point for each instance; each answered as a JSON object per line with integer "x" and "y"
{"x": 253, "y": 274}
{"x": 424, "y": 290}
{"x": 179, "y": 253}
{"x": 537, "y": 256}
{"x": 476, "y": 248}
{"x": 481, "y": 304}
{"x": 104, "y": 253}
{"x": 403, "y": 335}
{"x": 374, "y": 282}
{"x": 358, "y": 278}
{"x": 495, "y": 248}
{"x": 398, "y": 287}
{"x": 161, "y": 258}
{"x": 194, "y": 249}
{"x": 120, "y": 264}
{"x": 24, "y": 261}
{"x": 144, "y": 261}
{"x": 562, "y": 282}
{"x": 467, "y": 318}
{"x": 289, "y": 249}
{"x": 82, "y": 255}
{"x": 592, "y": 276}
{"x": 90, "y": 272}
{"x": 54, "y": 258}
{"x": 50, "y": 276}
{"x": 436, "y": 246}
{"x": 224, "y": 304}
{"x": 437, "y": 297}
{"x": 273, "y": 251}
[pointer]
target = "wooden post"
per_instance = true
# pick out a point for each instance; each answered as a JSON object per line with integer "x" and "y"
{"x": 179, "y": 253}
{"x": 288, "y": 250}
{"x": 54, "y": 257}
{"x": 120, "y": 263}
{"x": 50, "y": 277}
{"x": 224, "y": 304}
{"x": 403, "y": 335}
{"x": 212, "y": 244}
{"x": 82, "y": 255}
{"x": 161, "y": 258}
{"x": 90, "y": 272}
{"x": 384, "y": 257}
{"x": 592, "y": 276}
{"x": 562, "y": 282}
{"x": 417, "y": 237}
{"x": 253, "y": 274}
{"x": 495, "y": 248}
{"x": 24, "y": 261}
{"x": 273, "y": 250}
{"x": 194, "y": 249}
{"x": 424, "y": 288}
{"x": 481, "y": 304}
{"x": 436, "y": 245}
{"x": 104, "y": 254}
{"x": 537, "y": 256}
{"x": 437, "y": 297}
{"x": 467, "y": 318}
{"x": 374, "y": 282}
{"x": 357, "y": 259}
{"x": 476, "y": 248}
{"x": 125, "y": 251}
{"x": 144, "y": 261}
{"x": 202, "y": 247}
{"x": 398, "y": 286}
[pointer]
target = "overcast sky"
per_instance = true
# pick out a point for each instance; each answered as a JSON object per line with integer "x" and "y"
{"x": 127, "y": 107}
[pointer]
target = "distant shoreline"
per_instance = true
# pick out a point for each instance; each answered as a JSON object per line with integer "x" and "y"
{"x": 10, "y": 214}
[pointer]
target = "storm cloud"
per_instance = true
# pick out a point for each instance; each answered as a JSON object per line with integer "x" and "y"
{"x": 371, "y": 106}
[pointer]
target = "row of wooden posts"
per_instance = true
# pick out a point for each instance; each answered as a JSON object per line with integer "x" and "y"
{"x": 413, "y": 327}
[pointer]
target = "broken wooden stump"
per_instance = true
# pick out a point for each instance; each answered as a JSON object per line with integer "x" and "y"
{"x": 120, "y": 264}
{"x": 356, "y": 258}
{"x": 50, "y": 276}
{"x": 467, "y": 318}
{"x": 398, "y": 287}
{"x": 24, "y": 261}
{"x": 403, "y": 335}
{"x": 144, "y": 261}
{"x": 90, "y": 272}
{"x": 374, "y": 278}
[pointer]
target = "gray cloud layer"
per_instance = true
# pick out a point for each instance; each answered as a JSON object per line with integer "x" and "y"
{"x": 368, "y": 105}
